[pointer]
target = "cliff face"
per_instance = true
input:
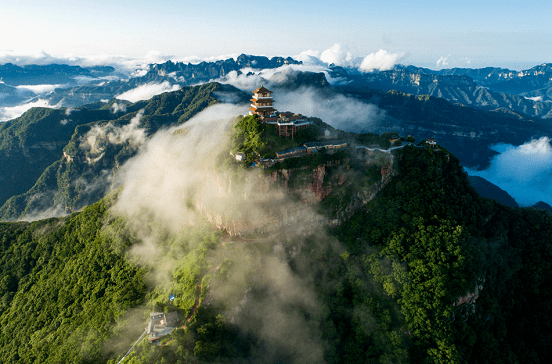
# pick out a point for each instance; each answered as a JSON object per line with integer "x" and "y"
{"x": 309, "y": 183}
{"x": 336, "y": 189}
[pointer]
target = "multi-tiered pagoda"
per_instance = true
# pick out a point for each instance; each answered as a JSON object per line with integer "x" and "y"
{"x": 262, "y": 103}
{"x": 288, "y": 123}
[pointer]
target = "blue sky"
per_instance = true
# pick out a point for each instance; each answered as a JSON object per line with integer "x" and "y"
{"x": 460, "y": 33}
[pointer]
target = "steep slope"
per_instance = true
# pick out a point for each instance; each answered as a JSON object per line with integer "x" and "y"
{"x": 64, "y": 282}
{"x": 427, "y": 271}
{"x": 467, "y": 273}
{"x": 467, "y": 132}
{"x": 489, "y": 190}
{"x": 80, "y": 169}
{"x": 32, "y": 142}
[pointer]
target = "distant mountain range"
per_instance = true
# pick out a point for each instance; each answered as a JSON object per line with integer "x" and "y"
{"x": 181, "y": 74}
{"x": 35, "y": 149}
{"x": 61, "y": 75}
{"x": 528, "y": 91}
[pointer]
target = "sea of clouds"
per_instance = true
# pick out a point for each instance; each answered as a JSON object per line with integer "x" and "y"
{"x": 126, "y": 68}
{"x": 524, "y": 171}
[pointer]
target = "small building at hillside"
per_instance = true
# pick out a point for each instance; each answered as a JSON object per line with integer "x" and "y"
{"x": 432, "y": 143}
{"x": 161, "y": 325}
{"x": 330, "y": 145}
{"x": 291, "y": 152}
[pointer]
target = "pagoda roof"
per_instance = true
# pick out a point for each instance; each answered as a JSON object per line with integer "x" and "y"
{"x": 262, "y": 89}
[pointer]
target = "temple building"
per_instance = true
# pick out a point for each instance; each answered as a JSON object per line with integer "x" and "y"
{"x": 261, "y": 103}
{"x": 288, "y": 123}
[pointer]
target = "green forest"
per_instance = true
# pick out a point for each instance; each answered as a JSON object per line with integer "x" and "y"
{"x": 50, "y": 164}
{"x": 426, "y": 272}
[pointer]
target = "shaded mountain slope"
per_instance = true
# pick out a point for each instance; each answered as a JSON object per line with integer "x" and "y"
{"x": 489, "y": 190}
{"x": 79, "y": 171}
{"x": 32, "y": 142}
{"x": 467, "y": 132}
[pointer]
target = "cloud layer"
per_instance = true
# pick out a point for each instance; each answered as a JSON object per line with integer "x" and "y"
{"x": 175, "y": 181}
{"x": 341, "y": 112}
{"x": 525, "y": 172}
{"x": 9, "y": 113}
{"x": 147, "y": 91}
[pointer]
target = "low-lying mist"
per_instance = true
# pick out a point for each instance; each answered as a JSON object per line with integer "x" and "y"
{"x": 177, "y": 181}
{"x": 525, "y": 171}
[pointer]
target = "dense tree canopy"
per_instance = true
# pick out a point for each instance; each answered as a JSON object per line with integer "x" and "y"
{"x": 425, "y": 272}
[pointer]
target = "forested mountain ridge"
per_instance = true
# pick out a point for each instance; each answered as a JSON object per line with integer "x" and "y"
{"x": 32, "y": 142}
{"x": 77, "y": 151}
{"x": 427, "y": 271}
{"x": 39, "y": 175}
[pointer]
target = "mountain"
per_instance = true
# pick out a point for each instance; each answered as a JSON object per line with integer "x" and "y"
{"x": 14, "y": 75}
{"x": 454, "y": 87}
{"x": 10, "y": 96}
{"x": 52, "y": 75}
{"x": 533, "y": 82}
{"x": 32, "y": 142}
{"x": 422, "y": 270}
{"x": 467, "y": 132}
{"x": 64, "y": 159}
{"x": 542, "y": 205}
{"x": 489, "y": 190}
{"x": 68, "y": 179}
{"x": 171, "y": 73}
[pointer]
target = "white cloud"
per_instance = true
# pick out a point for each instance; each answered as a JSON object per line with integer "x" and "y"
{"x": 9, "y": 113}
{"x": 443, "y": 61}
{"x": 381, "y": 61}
{"x": 525, "y": 172}
{"x": 536, "y": 98}
{"x": 116, "y": 107}
{"x": 337, "y": 56}
{"x": 147, "y": 91}
{"x": 339, "y": 111}
{"x": 38, "y": 89}
{"x": 94, "y": 142}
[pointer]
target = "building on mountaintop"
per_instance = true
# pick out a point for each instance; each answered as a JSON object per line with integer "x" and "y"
{"x": 288, "y": 123}
{"x": 432, "y": 143}
{"x": 262, "y": 103}
{"x": 314, "y": 147}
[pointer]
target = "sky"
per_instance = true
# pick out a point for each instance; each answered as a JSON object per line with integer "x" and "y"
{"x": 431, "y": 34}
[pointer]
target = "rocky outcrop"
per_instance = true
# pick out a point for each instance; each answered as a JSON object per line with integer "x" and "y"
{"x": 465, "y": 305}
{"x": 311, "y": 184}
{"x": 281, "y": 213}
